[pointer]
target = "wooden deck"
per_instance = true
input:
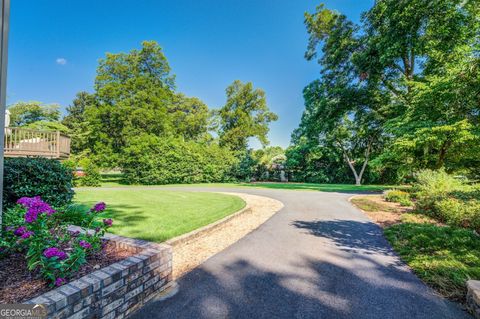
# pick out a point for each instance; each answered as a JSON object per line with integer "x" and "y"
{"x": 22, "y": 142}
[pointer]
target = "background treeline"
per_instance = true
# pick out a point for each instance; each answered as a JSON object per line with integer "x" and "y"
{"x": 398, "y": 93}
{"x": 137, "y": 122}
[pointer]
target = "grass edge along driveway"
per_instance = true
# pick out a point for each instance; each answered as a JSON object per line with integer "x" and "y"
{"x": 158, "y": 215}
{"x": 116, "y": 180}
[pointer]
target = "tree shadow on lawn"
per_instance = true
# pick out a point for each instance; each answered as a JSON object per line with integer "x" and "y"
{"x": 337, "y": 188}
{"x": 312, "y": 289}
{"x": 113, "y": 178}
{"x": 125, "y": 216}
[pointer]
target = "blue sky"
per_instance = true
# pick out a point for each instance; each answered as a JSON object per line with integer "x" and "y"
{"x": 55, "y": 46}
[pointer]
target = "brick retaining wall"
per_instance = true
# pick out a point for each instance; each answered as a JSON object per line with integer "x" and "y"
{"x": 116, "y": 291}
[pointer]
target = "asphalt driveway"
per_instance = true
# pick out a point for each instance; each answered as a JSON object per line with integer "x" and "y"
{"x": 318, "y": 257}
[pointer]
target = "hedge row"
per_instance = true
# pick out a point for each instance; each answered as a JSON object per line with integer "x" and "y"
{"x": 152, "y": 160}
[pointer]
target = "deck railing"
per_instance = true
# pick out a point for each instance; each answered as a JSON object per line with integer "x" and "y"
{"x": 21, "y": 142}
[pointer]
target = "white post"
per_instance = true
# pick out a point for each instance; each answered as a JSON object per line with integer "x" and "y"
{"x": 4, "y": 26}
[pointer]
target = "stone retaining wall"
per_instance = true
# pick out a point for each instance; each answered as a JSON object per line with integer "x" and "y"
{"x": 116, "y": 291}
{"x": 473, "y": 297}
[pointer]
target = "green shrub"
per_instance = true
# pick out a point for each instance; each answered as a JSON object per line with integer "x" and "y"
{"x": 459, "y": 213}
{"x": 92, "y": 175}
{"x": 439, "y": 181}
{"x": 405, "y": 202}
{"x": 152, "y": 160}
{"x": 28, "y": 177}
{"x": 433, "y": 186}
{"x": 448, "y": 199}
{"x": 398, "y": 196}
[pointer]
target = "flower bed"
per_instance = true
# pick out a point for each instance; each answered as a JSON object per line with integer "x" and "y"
{"x": 96, "y": 274}
{"x": 118, "y": 290}
{"x": 41, "y": 233}
{"x": 19, "y": 284}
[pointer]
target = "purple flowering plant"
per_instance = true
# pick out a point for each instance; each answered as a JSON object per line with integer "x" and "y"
{"x": 52, "y": 250}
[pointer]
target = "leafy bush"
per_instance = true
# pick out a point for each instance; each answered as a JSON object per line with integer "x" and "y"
{"x": 27, "y": 177}
{"x": 433, "y": 186}
{"x": 448, "y": 199}
{"x": 457, "y": 212}
{"x": 405, "y": 202}
{"x": 398, "y": 196}
{"x": 152, "y": 160}
{"x": 92, "y": 174}
{"x": 51, "y": 249}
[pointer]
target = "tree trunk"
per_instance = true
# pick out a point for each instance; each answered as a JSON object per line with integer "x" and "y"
{"x": 358, "y": 176}
{"x": 358, "y": 181}
{"x": 443, "y": 153}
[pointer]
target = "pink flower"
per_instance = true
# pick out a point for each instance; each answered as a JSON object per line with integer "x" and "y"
{"x": 20, "y": 231}
{"x": 99, "y": 207}
{"x": 54, "y": 252}
{"x": 108, "y": 222}
{"x": 27, "y": 234}
{"x": 35, "y": 206}
{"x": 85, "y": 244}
{"x": 60, "y": 282}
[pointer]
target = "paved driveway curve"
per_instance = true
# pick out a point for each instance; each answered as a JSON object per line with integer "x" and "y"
{"x": 318, "y": 257}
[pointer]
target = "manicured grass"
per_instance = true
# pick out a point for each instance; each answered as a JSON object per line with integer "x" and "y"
{"x": 443, "y": 257}
{"x": 112, "y": 180}
{"x": 158, "y": 215}
{"x": 116, "y": 180}
{"x": 370, "y": 205}
{"x": 342, "y": 188}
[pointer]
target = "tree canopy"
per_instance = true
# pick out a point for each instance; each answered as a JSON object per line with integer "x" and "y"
{"x": 25, "y": 113}
{"x": 397, "y": 93}
{"x": 244, "y": 115}
{"x": 134, "y": 95}
{"x": 136, "y": 118}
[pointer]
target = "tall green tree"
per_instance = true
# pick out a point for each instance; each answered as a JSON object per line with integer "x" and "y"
{"x": 244, "y": 115}
{"x": 25, "y": 113}
{"x": 190, "y": 117}
{"x": 77, "y": 123}
{"x": 134, "y": 95}
{"x": 342, "y": 110}
{"x": 405, "y": 79}
{"x": 426, "y": 55}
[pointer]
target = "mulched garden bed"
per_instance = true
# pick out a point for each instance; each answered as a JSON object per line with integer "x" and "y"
{"x": 18, "y": 284}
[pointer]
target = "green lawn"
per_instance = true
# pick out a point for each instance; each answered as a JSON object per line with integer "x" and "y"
{"x": 443, "y": 257}
{"x": 115, "y": 180}
{"x": 342, "y": 188}
{"x": 158, "y": 215}
{"x": 371, "y": 206}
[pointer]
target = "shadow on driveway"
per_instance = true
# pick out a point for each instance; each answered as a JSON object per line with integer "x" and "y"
{"x": 320, "y": 288}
